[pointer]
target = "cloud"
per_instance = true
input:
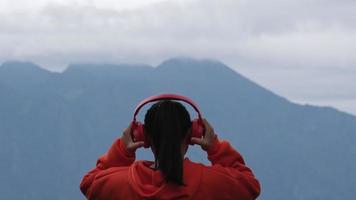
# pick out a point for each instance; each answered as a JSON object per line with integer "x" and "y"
{"x": 277, "y": 38}
{"x": 273, "y": 32}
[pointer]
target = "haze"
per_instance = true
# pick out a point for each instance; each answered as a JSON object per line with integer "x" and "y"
{"x": 303, "y": 50}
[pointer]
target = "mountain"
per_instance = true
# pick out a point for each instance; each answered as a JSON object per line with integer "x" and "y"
{"x": 53, "y": 127}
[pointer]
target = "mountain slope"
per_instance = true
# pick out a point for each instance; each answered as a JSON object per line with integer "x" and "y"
{"x": 61, "y": 122}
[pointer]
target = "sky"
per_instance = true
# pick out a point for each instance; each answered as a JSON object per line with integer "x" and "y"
{"x": 300, "y": 49}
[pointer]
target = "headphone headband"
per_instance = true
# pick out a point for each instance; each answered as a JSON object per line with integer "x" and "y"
{"x": 163, "y": 97}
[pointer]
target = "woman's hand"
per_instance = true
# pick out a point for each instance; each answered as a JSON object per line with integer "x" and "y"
{"x": 209, "y": 138}
{"x": 130, "y": 145}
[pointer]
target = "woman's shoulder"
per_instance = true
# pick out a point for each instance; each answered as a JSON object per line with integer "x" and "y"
{"x": 212, "y": 172}
{"x": 215, "y": 182}
{"x": 112, "y": 171}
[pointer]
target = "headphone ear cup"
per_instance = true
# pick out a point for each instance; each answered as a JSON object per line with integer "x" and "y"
{"x": 197, "y": 129}
{"x": 138, "y": 134}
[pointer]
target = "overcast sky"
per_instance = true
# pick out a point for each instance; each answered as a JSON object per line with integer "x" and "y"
{"x": 303, "y": 50}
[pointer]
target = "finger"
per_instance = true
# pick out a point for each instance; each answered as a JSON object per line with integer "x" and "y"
{"x": 127, "y": 131}
{"x": 207, "y": 124}
{"x": 136, "y": 145}
{"x": 199, "y": 141}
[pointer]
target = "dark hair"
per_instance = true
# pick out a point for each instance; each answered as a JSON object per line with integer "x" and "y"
{"x": 166, "y": 124}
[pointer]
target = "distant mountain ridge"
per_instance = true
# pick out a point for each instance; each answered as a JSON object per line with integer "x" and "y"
{"x": 63, "y": 121}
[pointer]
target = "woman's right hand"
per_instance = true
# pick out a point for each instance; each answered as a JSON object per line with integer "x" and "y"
{"x": 209, "y": 138}
{"x": 130, "y": 145}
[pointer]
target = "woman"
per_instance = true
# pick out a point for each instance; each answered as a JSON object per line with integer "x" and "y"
{"x": 171, "y": 176}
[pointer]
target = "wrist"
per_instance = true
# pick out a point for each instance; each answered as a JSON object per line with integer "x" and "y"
{"x": 213, "y": 145}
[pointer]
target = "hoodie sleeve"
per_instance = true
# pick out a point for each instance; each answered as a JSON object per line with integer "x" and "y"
{"x": 225, "y": 159}
{"x": 117, "y": 156}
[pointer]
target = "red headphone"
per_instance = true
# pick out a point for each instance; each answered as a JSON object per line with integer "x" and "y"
{"x": 138, "y": 133}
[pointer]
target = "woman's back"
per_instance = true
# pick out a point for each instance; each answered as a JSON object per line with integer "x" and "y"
{"x": 168, "y": 130}
{"x": 117, "y": 176}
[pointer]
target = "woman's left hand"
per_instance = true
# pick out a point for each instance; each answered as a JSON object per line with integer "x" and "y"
{"x": 130, "y": 145}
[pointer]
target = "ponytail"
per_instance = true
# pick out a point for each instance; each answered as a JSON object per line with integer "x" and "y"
{"x": 166, "y": 124}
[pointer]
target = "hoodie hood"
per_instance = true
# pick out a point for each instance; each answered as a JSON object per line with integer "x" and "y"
{"x": 150, "y": 184}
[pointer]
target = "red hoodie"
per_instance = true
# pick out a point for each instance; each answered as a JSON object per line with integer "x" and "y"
{"x": 117, "y": 176}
